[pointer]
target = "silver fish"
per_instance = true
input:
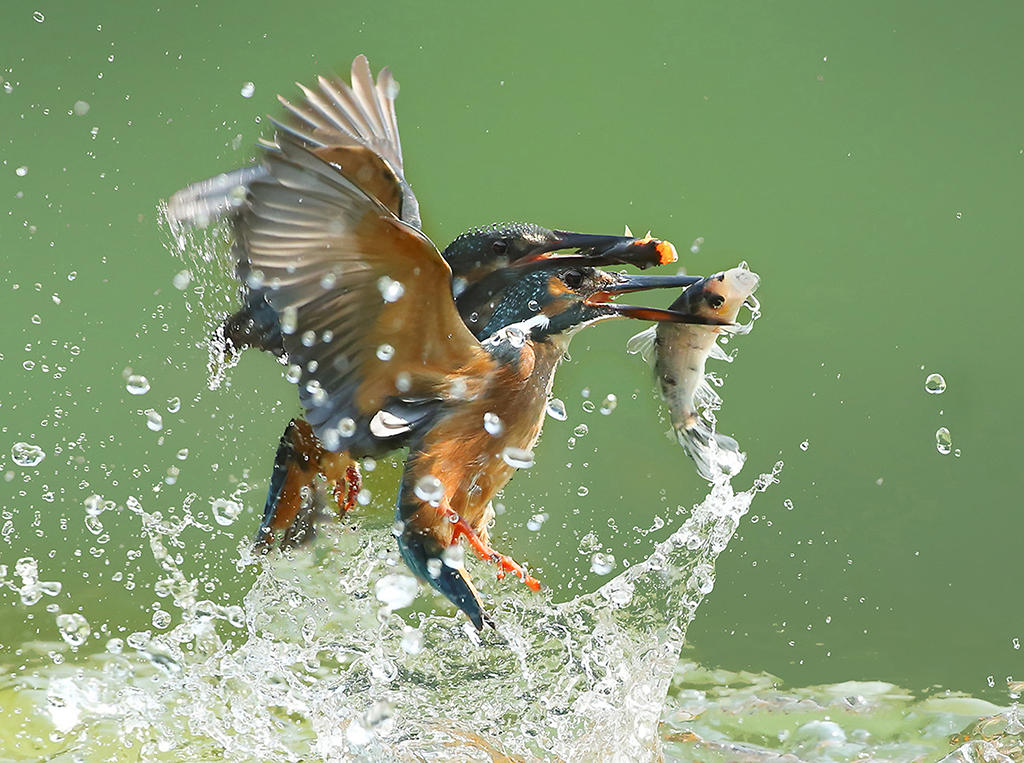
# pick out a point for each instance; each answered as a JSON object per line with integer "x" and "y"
{"x": 678, "y": 352}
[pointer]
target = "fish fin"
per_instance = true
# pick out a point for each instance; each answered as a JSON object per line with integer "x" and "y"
{"x": 642, "y": 344}
{"x": 713, "y": 454}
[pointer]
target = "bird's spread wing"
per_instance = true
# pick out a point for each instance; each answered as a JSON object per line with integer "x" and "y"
{"x": 364, "y": 299}
{"x": 354, "y": 127}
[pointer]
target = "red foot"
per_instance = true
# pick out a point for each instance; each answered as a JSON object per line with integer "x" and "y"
{"x": 345, "y": 492}
{"x": 485, "y": 552}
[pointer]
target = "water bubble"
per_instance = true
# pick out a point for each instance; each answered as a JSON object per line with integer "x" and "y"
{"x": 174, "y": 405}
{"x": 289, "y": 320}
{"x": 493, "y": 425}
{"x": 396, "y": 591}
{"x": 412, "y": 640}
{"x": 74, "y": 628}
{"x": 943, "y": 442}
{"x": 454, "y": 556}
{"x": 181, "y": 279}
{"x": 248, "y": 89}
{"x": 429, "y": 489}
{"x": 22, "y": 171}
{"x": 556, "y": 409}
{"x": 602, "y": 564}
{"x": 26, "y": 454}
{"x": 517, "y": 457}
{"x": 390, "y": 289}
{"x": 608, "y": 404}
{"x": 385, "y": 352}
{"x": 154, "y": 420}
{"x": 804, "y": 445}
{"x": 535, "y": 522}
{"x": 136, "y": 384}
{"x": 935, "y": 384}
{"x": 581, "y": 430}
{"x": 225, "y": 511}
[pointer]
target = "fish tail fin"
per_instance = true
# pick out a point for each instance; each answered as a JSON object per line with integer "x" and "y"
{"x": 715, "y": 455}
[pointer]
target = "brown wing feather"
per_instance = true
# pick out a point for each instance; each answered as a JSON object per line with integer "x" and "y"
{"x": 319, "y": 249}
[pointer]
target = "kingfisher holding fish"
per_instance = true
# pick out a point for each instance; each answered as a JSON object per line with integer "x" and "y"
{"x": 393, "y": 344}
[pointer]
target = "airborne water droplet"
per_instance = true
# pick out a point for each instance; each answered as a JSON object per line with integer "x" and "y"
{"x": 137, "y": 384}
{"x": 943, "y": 442}
{"x": 609, "y": 404}
{"x": 493, "y": 425}
{"x": 430, "y": 489}
{"x": 517, "y": 457}
{"x": 174, "y": 405}
{"x": 556, "y": 409}
{"x": 26, "y": 454}
{"x": 154, "y": 420}
{"x": 390, "y": 289}
{"x": 385, "y": 352}
{"x": 602, "y": 564}
{"x": 248, "y": 89}
{"x": 224, "y": 511}
{"x": 935, "y": 384}
{"x": 74, "y": 628}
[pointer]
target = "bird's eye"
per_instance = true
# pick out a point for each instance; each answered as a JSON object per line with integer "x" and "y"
{"x": 573, "y": 278}
{"x": 716, "y": 301}
{"x": 500, "y": 247}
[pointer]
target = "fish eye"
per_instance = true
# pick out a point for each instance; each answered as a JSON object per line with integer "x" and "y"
{"x": 573, "y": 278}
{"x": 716, "y": 301}
{"x": 500, "y": 246}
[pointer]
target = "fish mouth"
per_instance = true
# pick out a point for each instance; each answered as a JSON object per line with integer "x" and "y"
{"x": 604, "y": 250}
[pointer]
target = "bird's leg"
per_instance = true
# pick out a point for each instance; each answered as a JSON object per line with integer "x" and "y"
{"x": 484, "y": 551}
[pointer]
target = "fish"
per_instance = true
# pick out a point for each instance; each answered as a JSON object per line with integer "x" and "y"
{"x": 678, "y": 352}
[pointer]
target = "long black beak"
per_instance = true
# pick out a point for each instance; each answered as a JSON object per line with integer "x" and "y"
{"x": 605, "y": 250}
{"x": 628, "y": 283}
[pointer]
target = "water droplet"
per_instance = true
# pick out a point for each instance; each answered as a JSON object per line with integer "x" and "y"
{"x": 412, "y": 640}
{"x": 602, "y": 564}
{"x": 517, "y": 457}
{"x": 38, "y": 16}
{"x": 74, "y": 628}
{"x": 390, "y": 289}
{"x": 308, "y": 338}
{"x": 294, "y": 373}
{"x": 434, "y": 568}
{"x": 556, "y": 409}
{"x": 588, "y": 406}
{"x": 695, "y": 246}
{"x": 225, "y": 511}
{"x": 403, "y": 381}
{"x": 493, "y": 425}
{"x": 583, "y": 491}
{"x": 396, "y": 590}
{"x": 581, "y": 430}
{"x": 181, "y": 280}
{"x": 608, "y": 404}
{"x": 183, "y": 454}
{"x": 161, "y": 619}
{"x": 26, "y": 454}
{"x": 385, "y": 352}
{"x": 935, "y": 384}
{"x": 535, "y": 522}
{"x": 248, "y": 89}
{"x": 81, "y": 108}
{"x": 788, "y": 504}
{"x": 174, "y": 405}
{"x": 36, "y": 320}
{"x": 943, "y": 442}
{"x": 94, "y": 505}
{"x": 364, "y": 496}
{"x": 346, "y": 427}
{"x": 454, "y": 557}
{"x": 430, "y": 489}
{"x": 804, "y": 445}
{"x": 289, "y": 320}
{"x": 154, "y": 420}
{"x": 22, "y": 171}
{"x": 137, "y": 384}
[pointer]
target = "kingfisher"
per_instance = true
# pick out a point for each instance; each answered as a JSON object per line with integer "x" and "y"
{"x": 393, "y": 344}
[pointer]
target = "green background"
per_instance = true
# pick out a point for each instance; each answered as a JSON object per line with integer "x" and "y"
{"x": 865, "y": 159}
